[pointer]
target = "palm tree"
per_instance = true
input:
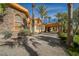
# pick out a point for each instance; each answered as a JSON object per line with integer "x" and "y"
{"x": 33, "y": 6}
{"x": 70, "y": 29}
{"x": 59, "y": 16}
{"x": 60, "y": 20}
{"x": 42, "y": 11}
{"x": 64, "y": 21}
{"x": 47, "y": 17}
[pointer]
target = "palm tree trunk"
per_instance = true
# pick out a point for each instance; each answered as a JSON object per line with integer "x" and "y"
{"x": 49, "y": 20}
{"x": 33, "y": 18}
{"x": 70, "y": 29}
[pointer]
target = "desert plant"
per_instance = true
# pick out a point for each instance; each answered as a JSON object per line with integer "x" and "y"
{"x": 23, "y": 32}
{"x": 7, "y": 34}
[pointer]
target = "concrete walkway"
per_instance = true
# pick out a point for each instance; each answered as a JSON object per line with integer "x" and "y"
{"x": 45, "y": 44}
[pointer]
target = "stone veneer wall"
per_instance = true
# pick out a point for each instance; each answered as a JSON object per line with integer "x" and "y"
{"x": 9, "y": 19}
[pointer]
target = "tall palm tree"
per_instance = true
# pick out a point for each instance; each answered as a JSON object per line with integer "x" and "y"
{"x": 62, "y": 18}
{"x": 42, "y": 11}
{"x": 59, "y": 16}
{"x": 70, "y": 29}
{"x": 45, "y": 18}
{"x": 64, "y": 21}
{"x": 33, "y": 6}
{"x": 49, "y": 19}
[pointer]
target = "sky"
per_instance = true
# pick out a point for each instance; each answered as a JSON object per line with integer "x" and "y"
{"x": 52, "y": 8}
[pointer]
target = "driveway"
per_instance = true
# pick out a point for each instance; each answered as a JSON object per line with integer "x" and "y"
{"x": 45, "y": 44}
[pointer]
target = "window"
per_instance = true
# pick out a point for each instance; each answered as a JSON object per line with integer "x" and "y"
{"x": 18, "y": 19}
{"x": 18, "y": 22}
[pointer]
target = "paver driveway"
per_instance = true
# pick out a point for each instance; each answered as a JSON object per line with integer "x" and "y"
{"x": 45, "y": 44}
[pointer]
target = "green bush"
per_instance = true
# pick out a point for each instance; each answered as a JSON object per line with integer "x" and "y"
{"x": 27, "y": 31}
{"x": 76, "y": 39}
{"x": 24, "y": 32}
{"x": 7, "y": 34}
{"x": 74, "y": 50}
{"x": 63, "y": 36}
{"x": 77, "y": 32}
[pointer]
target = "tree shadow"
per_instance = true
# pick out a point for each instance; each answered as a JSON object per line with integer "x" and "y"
{"x": 8, "y": 43}
{"x": 51, "y": 41}
{"x": 29, "y": 49}
{"x": 34, "y": 43}
{"x": 54, "y": 42}
{"x": 21, "y": 41}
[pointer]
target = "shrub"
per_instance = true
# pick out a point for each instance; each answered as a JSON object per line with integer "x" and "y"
{"x": 63, "y": 36}
{"x": 76, "y": 39}
{"x": 23, "y": 32}
{"x": 7, "y": 34}
{"x": 77, "y": 33}
{"x": 74, "y": 50}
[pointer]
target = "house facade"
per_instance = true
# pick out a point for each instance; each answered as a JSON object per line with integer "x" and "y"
{"x": 16, "y": 17}
{"x": 13, "y": 18}
{"x": 54, "y": 27}
{"x": 38, "y": 25}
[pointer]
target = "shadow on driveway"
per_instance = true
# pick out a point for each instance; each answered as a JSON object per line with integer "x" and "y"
{"x": 24, "y": 44}
{"x": 30, "y": 50}
{"x": 51, "y": 41}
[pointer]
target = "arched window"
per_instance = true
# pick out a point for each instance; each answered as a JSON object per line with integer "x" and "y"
{"x": 18, "y": 19}
{"x": 18, "y": 22}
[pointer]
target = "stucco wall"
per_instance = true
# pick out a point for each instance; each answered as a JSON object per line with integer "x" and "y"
{"x": 9, "y": 19}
